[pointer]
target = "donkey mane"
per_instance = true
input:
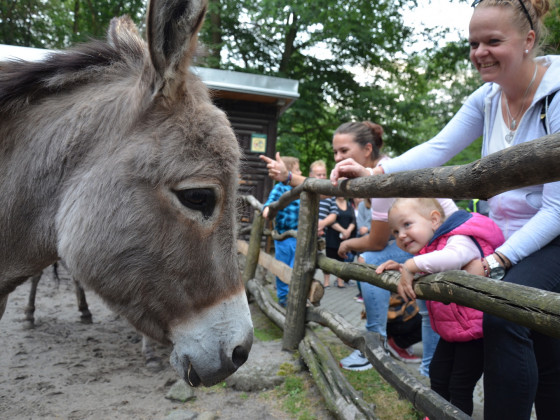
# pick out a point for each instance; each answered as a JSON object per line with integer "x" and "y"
{"x": 23, "y": 83}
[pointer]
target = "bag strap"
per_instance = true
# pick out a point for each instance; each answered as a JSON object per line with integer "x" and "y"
{"x": 477, "y": 245}
{"x": 544, "y": 111}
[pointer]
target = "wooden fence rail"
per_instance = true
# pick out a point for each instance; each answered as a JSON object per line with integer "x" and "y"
{"x": 527, "y": 164}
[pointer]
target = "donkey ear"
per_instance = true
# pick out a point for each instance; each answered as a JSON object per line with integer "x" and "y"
{"x": 172, "y": 27}
{"x": 122, "y": 30}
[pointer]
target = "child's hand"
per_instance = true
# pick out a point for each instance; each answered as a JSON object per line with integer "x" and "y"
{"x": 265, "y": 212}
{"x": 404, "y": 288}
{"x": 387, "y": 265}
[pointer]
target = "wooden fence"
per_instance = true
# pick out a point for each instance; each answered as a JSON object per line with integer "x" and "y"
{"x": 527, "y": 164}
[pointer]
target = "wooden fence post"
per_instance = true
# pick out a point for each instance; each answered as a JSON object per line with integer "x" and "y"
{"x": 252, "y": 259}
{"x": 304, "y": 268}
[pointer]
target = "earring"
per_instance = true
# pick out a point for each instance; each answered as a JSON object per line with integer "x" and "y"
{"x": 526, "y": 51}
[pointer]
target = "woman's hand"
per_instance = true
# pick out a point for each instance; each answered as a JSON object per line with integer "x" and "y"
{"x": 348, "y": 168}
{"x": 344, "y": 248}
{"x": 276, "y": 168}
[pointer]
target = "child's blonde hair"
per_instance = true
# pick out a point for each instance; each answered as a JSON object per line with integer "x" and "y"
{"x": 318, "y": 164}
{"x": 290, "y": 162}
{"x": 422, "y": 205}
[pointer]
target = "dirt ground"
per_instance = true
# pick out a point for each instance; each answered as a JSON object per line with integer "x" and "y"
{"x": 65, "y": 369}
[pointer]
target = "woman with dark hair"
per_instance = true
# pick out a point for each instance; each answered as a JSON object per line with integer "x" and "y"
{"x": 361, "y": 142}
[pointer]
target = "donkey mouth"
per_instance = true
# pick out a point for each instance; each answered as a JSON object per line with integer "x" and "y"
{"x": 192, "y": 377}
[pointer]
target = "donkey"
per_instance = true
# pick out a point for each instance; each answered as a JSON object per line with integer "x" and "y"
{"x": 83, "y": 307}
{"x": 114, "y": 159}
{"x": 152, "y": 361}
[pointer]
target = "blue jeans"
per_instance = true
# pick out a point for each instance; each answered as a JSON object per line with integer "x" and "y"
{"x": 522, "y": 366}
{"x": 376, "y": 299}
{"x": 285, "y": 251}
{"x": 430, "y": 339}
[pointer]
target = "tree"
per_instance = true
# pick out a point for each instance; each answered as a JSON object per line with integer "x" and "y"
{"x": 60, "y": 23}
{"x": 274, "y": 38}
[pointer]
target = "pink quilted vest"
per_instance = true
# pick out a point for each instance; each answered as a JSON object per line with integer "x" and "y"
{"x": 456, "y": 323}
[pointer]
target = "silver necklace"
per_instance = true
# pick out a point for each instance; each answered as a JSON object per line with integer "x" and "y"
{"x": 512, "y": 126}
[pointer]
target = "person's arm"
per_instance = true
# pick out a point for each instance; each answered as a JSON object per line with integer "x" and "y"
{"x": 363, "y": 221}
{"x": 327, "y": 221}
{"x": 375, "y": 240}
{"x": 465, "y": 127}
{"x": 272, "y": 197}
{"x": 542, "y": 228}
{"x": 278, "y": 171}
{"x": 336, "y": 226}
{"x": 348, "y": 231}
{"x": 457, "y": 253}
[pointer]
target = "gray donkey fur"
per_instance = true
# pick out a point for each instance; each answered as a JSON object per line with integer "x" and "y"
{"x": 113, "y": 158}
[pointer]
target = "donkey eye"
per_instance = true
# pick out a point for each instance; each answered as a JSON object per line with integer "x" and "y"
{"x": 199, "y": 199}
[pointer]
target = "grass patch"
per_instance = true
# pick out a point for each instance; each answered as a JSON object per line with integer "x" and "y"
{"x": 389, "y": 406}
{"x": 294, "y": 396}
{"x": 263, "y": 328}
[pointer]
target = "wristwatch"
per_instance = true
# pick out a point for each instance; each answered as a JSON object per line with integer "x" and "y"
{"x": 497, "y": 272}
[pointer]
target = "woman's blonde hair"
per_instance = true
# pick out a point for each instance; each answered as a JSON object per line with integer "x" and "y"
{"x": 526, "y": 12}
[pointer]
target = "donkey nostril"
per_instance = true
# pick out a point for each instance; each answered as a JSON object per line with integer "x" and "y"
{"x": 240, "y": 356}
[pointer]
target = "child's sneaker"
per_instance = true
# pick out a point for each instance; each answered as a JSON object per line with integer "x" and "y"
{"x": 404, "y": 355}
{"x": 356, "y": 361}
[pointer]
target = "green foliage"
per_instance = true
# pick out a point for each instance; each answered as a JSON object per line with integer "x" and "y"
{"x": 552, "y": 23}
{"x": 323, "y": 44}
{"x": 274, "y": 38}
{"x": 60, "y": 23}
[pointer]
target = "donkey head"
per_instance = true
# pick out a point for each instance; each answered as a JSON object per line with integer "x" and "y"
{"x": 149, "y": 219}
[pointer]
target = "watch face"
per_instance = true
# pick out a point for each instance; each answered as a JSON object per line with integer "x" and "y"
{"x": 497, "y": 273}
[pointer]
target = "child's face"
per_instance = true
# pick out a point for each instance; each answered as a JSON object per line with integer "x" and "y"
{"x": 412, "y": 230}
{"x": 296, "y": 170}
{"x": 319, "y": 172}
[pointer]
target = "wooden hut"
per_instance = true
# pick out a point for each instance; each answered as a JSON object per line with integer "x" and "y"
{"x": 253, "y": 103}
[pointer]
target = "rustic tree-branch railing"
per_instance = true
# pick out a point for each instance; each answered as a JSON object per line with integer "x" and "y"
{"x": 526, "y": 164}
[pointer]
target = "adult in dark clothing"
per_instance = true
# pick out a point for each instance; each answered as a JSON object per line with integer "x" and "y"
{"x": 344, "y": 228}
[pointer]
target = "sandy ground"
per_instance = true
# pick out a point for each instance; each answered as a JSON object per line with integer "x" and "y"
{"x": 63, "y": 369}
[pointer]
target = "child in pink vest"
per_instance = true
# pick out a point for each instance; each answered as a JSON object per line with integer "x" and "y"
{"x": 439, "y": 244}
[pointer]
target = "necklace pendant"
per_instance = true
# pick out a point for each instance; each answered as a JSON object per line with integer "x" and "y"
{"x": 513, "y": 125}
{"x": 509, "y": 137}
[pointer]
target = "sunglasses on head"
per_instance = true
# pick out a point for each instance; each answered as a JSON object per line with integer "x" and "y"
{"x": 477, "y": 2}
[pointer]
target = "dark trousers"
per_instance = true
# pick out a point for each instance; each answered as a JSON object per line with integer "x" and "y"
{"x": 406, "y": 333}
{"x": 523, "y": 366}
{"x": 455, "y": 369}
